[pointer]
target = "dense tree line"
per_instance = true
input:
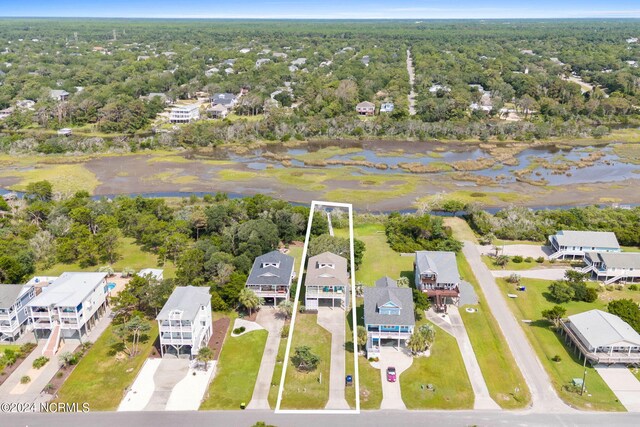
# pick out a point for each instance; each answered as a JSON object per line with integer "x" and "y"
{"x": 410, "y": 233}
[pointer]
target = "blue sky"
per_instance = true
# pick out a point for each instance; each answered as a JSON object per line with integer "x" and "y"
{"x": 340, "y": 9}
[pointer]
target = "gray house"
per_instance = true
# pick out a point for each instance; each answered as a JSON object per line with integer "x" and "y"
{"x": 437, "y": 275}
{"x": 226, "y": 99}
{"x": 574, "y": 244}
{"x": 610, "y": 267}
{"x": 14, "y": 313}
{"x": 388, "y": 314}
{"x": 271, "y": 275}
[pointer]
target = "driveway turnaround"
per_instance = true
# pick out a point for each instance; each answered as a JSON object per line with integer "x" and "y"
{"x": 543, "y": 396}
{"x": 623, "y": 383}
{"x": 188, "y": 394}
{"x": 453, "y": 325}
{"x": 169, "y": 373}
{"x": 333, "y": 320}
{"x": 267, "y": 318}
{"x": 401, "y": 359}
{"x": 539, "y": 273}
{"x": 142, "y": 389}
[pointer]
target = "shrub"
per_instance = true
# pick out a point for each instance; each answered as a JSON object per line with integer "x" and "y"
{"x": 25, "y": 379}
{"x": 619, "y": 287}
{"x": 238, "y": 331}
{"x": 10, "y": 357}
{"x": 514, "y": 278}
{"x": 304, "y": 359}
{"x": 610, "y": 288}
{"x": 27, "y": 348}
{"x": 633, "y": 287}
{"x": 540, "y": 259}
{"x": 285, "y": 332}
{"x": 40, "y": 362}
{"x": 59, "y": 374}
{"x": 302, "y": 309}
{"x": 528, "y": 259}
{"x": 517, "y": 259}
{"x": 556, "y": 358}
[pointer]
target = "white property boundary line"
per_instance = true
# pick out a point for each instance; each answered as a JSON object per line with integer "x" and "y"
{"x": 352, "y": 300}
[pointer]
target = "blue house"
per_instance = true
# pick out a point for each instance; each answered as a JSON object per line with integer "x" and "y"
{"x": 13, "y": 310}
{"x": 387, "y": 107}
{"x": 389, "y": 315}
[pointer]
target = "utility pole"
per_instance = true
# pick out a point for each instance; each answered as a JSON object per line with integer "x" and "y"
{"x": 584, "y": 375}
{"x": 75, "y": 36}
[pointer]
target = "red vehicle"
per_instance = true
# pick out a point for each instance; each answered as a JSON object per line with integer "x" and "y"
{"x": 391, "y": 374}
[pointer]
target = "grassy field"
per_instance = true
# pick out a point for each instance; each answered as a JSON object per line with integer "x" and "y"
{"x": 131, "y": 256}
{"x": 496, "y": 361}
{"x": 65, "y": 178}
{"x": 445, "y": 370}
{"x": 101, "y": 377}
{"x": 304, "y": 390}
{"x": 237, "y": 371}
{"x": 369, "y": 377}
{"x": 4, "y": 347}
{"x": 460, "y": 229}
{"x": 547, "y": 344}
{"x": 377, "y": 249}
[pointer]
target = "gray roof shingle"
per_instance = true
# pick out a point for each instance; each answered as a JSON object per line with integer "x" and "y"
{"x": 327, "y": 276}
{"x": 270, "y": 275}
{"x": 187, "y": 299}
{"x": 597, "y": 239}
{"x": 442, "y": 263}
{"x": 386, "y": 291}
{"x": 602, "y": 329}
{"x": 9, "y": 294}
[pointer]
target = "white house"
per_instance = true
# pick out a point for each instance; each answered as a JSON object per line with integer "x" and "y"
{"x": 185, "y": 320}
{"x": 574, "y": 244}
{"x": 155, "y": 273}
{"x": 387, "y": 107}
{"x": 184, "y": 113}
{"x": 610, "y": 267}
{"x": 68, "y": 307}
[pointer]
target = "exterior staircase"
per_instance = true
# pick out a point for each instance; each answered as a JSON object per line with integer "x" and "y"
{"x": 613, "y": 279}
{"x": 53, "y": 342}
{"x": 587, "y": 269}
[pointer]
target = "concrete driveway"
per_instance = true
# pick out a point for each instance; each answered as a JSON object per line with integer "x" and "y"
{"x": 169, "y": 373}
{"x": 623, "y": 383}
{"x": 333, "y": 320}
{"x": 269, "y": 319}
{"x": 541, "y": 273}
{"x": 401, "y": 359}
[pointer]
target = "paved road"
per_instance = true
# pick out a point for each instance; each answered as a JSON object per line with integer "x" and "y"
{"x": 412, "y": 77}
{"x": 541, "y": 273}
{"x": 543, "y": 396}
{"x": 333, "y": 320}
{"x": 267, "y": 318}
{"x": 454, "y": 326}
{"x": 365, "y": 418}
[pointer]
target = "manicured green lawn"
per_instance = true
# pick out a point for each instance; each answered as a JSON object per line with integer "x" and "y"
{"x": 547, "y": 344}
{"x": 369, "y": 377}
{"x": 445, "y": 370}
{"x": 131, "y": 255}
{"x": 520, "y": 266}
{"x": 303, "y": 390}
{"x": 237, "y": 371}
{"x": 4, "y": 347}
{"x": 496, "y": 361}
{"x": 379, "y": 259}
{"x": 101, "y": 377}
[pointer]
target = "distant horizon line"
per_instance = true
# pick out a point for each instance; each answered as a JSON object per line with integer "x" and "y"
{"x": 194, "y": 18}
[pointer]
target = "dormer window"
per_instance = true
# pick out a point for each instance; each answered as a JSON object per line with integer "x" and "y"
{"x": 271, "y": 264}
{"x": 326, "y": 265}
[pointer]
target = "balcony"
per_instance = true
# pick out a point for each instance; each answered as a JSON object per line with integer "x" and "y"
{"x": 326, "y": 292}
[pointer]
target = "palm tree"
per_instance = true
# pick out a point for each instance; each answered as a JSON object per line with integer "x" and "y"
{"x": 421, "y": 339}
{"x": 249, "y": 300}
{"x": 205, "y": 355}
{"x": 285, "y": 308}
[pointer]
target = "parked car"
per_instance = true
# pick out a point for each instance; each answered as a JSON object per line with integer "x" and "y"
{"x": 391, "y": 374}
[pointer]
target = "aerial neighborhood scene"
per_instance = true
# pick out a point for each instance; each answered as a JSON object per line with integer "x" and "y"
{"x": 319, "y": 213}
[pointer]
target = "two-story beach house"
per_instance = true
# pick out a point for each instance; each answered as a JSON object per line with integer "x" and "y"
{"x": 184, "y": 113}
{"x": 14, "y": 313}
{"x": 366, "y": 108}
{"x": 389, "y": 315}
{"x": 327, "y": 281}
{"x": 610, "y": 267}
{"x": 68, "y": 307}
{"x": 574, "y": 244}
{"x": 185, "y": 321}
{"x": 271, "y": 276}
{"x": 436, "y": 274}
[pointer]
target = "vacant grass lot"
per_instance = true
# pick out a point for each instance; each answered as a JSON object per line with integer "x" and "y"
{"x": 237, "y": 371}
{"x": 131, "y": 256}
{"x": 101, "y": 377}
{"x": 379, "y": 259}
{"x": 445, "y": 370}
{"x": 303, "y": 390}
{"x": 460, "y": 229}
{"x": 547, "y": 344}
{"x": 496, "y": 361}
